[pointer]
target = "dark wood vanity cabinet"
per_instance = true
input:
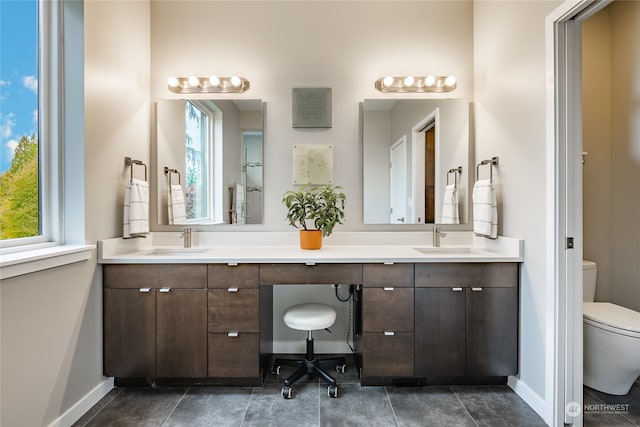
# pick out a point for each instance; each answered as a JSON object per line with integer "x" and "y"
{"x": 155, "y": 321}
{"x": 387, "y": 341}
{"x": 234, "y": 321}
{"x": 466, "y": 320}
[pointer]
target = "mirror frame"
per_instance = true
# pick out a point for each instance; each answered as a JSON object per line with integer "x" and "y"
{"x": 156, "y": 176}
{"x": 467, "y": 177}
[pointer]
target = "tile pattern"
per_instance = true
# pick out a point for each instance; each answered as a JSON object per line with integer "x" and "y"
{"x": 310, "y": 406}
{"x": 606, "y": 410}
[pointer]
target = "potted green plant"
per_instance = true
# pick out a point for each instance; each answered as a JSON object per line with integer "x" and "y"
{"x": 315, "y": 210}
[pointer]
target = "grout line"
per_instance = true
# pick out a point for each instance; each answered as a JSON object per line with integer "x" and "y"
{"x": 244, "y": 415}
{"x": 393, "y": 411}
{"x": 175, "y": 406}
{"x": 104, "y": 405}
{"x": 463, "y": 405}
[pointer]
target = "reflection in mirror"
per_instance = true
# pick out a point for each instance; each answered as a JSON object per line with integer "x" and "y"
{"x": 209, "y": 161}
{"x": 409, "y": 147}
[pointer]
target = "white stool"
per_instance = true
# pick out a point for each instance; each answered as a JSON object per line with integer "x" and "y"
{"x": 309, "y": 317}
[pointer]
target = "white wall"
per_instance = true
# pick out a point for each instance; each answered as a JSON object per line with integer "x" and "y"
{"x": 611, "y": 135}
{"x": 510, "y": 114}
{"x": 51, "y": 337}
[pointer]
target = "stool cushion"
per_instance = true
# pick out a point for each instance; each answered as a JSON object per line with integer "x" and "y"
{"x": 310, "y": 317}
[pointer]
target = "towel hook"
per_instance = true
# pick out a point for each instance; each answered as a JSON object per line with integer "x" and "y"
{"x": 128, "y": 161}
{"x": 454, "y": 171}
{"x": 168, "y": 172}
{"x": 493, "y": 161}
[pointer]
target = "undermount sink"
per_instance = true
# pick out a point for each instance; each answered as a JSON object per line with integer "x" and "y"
{"x": 430, "y": 250}
{"x": 178, "y": 251}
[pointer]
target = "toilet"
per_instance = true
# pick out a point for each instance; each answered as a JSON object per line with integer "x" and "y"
{"x": 611, "y": 340}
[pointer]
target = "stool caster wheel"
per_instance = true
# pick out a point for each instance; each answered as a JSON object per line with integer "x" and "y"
{"x": 286, "y": 392}
{"x": 332, "y": 391}
{"x": 341, "y": 368}
{"x": 275, "y": 369}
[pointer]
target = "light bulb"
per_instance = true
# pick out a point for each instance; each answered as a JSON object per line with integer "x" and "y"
{"x": 235, "y": 81}
{"x": 429, "y": 81}
{"x": 214, "y": 81}
{"x": 173, "y": 82}
{"x": 194, "y": 81}
{"x": 387, "y": 81}
{"x": 409, "y": 81}
{"x": 450, "y": 81}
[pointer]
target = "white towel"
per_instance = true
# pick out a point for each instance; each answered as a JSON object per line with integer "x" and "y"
{"x": 485, "y": 210}
{"x": 450, "y": 205}
{"x": 136, "y": 208}
{"x": 177, "y": 210}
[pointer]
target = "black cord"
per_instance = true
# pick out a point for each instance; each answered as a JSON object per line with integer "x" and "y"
{"x": 350, "y": 300}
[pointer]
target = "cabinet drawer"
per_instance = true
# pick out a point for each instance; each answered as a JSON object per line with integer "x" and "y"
{"x": 387, "y": 309}
{"x": 399, "y": 275}
{"x": 287, "y": 274}
{"x": 192, "y": 276}
{"x": 240, "y": 276}
{"x": 234, "y": 356}
{"x": 499, "y": 275}
{"x": 387, "y": 355}
{"x": 233, "y": 311}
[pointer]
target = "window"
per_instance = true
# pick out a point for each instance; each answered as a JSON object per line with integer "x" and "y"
{"x": 196, "y": 156}
{"x": 21, "y": 160}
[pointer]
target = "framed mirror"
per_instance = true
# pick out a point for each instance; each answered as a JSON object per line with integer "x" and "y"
{"x": 209, "y": 161}
{"x": 417, "y": 164}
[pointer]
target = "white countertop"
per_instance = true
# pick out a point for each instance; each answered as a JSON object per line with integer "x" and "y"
{"x": 155, "y": 251}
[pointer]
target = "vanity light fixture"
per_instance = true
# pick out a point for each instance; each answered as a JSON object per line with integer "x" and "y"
{"x": 416, "y": 84}
{"x": 212, "y": 84}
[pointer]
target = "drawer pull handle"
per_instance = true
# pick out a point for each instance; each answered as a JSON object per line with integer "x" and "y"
{"x": 389, "y": 333}
{"x": 310, "y": 263}
{"x": 165, "y": 290}
{"x": 388, "y": 263}
{"x": 233, "y": 334}
{"x": 232, "y": 264}
{"x": 476, "y": 289}
{"x": 456, "y": 289}
{"x": 232, "y": 290}
{"x": 145, "y": 290}
{"x": 388, "y": 288}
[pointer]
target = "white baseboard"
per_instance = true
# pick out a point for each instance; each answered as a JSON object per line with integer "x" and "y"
{"x": 320, "y": 347}
{"x": 74, "y": 413}
{"x": 530, "y": 397}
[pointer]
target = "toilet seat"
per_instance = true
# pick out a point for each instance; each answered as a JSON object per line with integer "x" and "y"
{"x": 612, "y": 317}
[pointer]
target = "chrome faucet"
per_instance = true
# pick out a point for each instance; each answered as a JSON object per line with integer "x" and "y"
{"x": 437, "y": 234}
{"x": 186, "y": 236}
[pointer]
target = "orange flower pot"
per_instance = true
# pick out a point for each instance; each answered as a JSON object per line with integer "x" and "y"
{"x": 310, "y": 239}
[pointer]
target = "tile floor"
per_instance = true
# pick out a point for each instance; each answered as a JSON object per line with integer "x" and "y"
{"x": 310, "y": 406}
{"x": 605, "y": 410}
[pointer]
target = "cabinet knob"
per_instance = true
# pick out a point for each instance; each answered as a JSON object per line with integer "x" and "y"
{"x": 476, "y": 289}
{"x": 165, "y": 290}
{"x": 232, "y": 334}
{"x": 232, "y": 290}
{"x": 145, "y": 290}
{"x": 456, "y": 289}
{"x": 389, "y": 333}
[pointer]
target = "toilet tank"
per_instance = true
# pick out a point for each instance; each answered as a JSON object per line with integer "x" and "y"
{"x": 589, "y": 274}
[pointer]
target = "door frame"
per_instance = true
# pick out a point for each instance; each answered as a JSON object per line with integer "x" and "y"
{"x": 564, "y": 208}
{"x": 417, "y": 159}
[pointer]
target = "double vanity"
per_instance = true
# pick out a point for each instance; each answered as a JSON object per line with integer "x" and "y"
{"x": 422, "y": 314}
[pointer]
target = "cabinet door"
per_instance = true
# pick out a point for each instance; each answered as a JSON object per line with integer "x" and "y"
{"x": 129, "y": 333}
{"x": 387, "y": 309}
{"x": 234, "y": 310}
{"x": 492, "y": 331}
{"x": 181, "y": 319}
{"x": 387, "y": 355}
{"x": 234, "y": 355}
{"x": 440, "y": 332}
